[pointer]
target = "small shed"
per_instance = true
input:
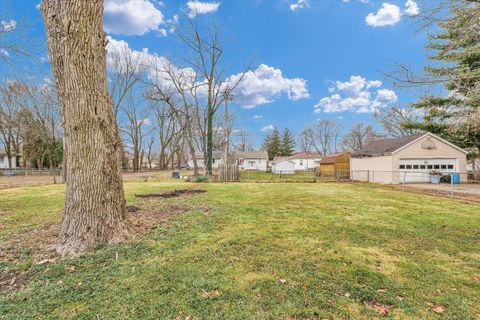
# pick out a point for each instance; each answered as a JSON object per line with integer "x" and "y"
{"x": 283, "y": 166}
{"x": 335, "y": 164}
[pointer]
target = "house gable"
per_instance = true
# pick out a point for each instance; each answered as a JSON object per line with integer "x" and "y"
{"x": 428, "y": 145}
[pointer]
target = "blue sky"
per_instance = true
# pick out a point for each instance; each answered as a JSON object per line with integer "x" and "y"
{"x": 315, "y": 59}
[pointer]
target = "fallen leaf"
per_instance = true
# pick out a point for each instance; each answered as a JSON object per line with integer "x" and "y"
{"x": 437, "y": 308}
{"x": 379, "y": 308}
{"x": 382, "y": 290}
{"x": 346, "y": 294}
{"x": 304, "y": 286}
{"x": 209, "y": 294}
{"x": 282, "y": 281}
{"x": 78, "y": 285}
{"x": 70, "y": 268}
{"x": 400, "y": 298}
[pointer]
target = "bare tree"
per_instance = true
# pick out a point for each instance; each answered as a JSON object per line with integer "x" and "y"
{"x": 359, "y": 136}
{"x": 305, "y": 140}
{"x": 95, "y": 207}
{"x": 323, "y": 135}
{"x": 207, "y": 54}
{"x": 166, "y": 122}
{"x": 14, "y": 96}
{"x": 393, "y": 120}
{"x": 136, "y": 111}
{"x": 242, "y": 141}
{"x": 177, "y": 89}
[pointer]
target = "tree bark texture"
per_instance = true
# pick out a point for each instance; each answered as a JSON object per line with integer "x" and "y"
{"x": 94, "y": 204}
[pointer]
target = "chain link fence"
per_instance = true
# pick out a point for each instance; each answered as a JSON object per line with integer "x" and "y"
{"x": 461, "y": 185}
{"x": 12, "y": 178}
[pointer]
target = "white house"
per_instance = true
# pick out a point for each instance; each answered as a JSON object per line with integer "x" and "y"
{"x": 305, "y": 160}
{"x": 251, "y": 160}
{"x": 283, "y": 166}
{"x": 4, "y": 161}
{"x": 411, "y": 159}
{"x": 201, "y": 163}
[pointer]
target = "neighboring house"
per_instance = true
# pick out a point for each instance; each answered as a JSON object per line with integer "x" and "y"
{"x": 411, "y": 158}
{"x": 201, "y": 163}
{"x": 305, "y": 160}
{"x": 4, "y": 161}
{"x": 335, "y": 164}
{"x": 251, "y": 160}
{"x": 283, "y": 166}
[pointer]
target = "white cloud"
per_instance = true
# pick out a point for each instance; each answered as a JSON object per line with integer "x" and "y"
{"x": 131, "y": 17}
{"x": 387, "y": 15}
{"x": 264, "y": 85}
{"x": 257, "y": 116}
{"x": 412, "y": 8}
{"x": 267, "y": 128}
{"x": 197, "y": 7}
{"x": 4, "y": 52}
{"x": 117, "y": 48}
{"x": 356, "y": 95}
{"x": 7, "y": 25}
{"x": 300, "y": 4}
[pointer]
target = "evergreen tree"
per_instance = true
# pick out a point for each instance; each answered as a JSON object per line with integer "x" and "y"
{"x": 272, "y": 144}
{"x": 456, "y": 63}
{"x": 287, "y": 146}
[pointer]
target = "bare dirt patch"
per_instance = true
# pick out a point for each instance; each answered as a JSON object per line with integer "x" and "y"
{"x": 171, "y": 194}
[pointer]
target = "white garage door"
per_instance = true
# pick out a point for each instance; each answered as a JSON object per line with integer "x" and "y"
{"x": 418, "y": 170}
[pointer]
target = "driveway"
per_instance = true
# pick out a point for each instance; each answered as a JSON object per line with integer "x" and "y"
{"x": 470, "y": 188}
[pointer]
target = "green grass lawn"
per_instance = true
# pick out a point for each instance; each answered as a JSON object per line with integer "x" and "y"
{"x": 260, "y": 251}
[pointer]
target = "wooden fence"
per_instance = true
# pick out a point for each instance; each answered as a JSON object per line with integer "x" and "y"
{"x": 228, "y": 173}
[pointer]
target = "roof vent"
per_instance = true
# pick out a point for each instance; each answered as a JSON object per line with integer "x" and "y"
{"x": 428, "y": 144}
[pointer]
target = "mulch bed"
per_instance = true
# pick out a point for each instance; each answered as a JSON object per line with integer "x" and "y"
{"x": 171, "y": 194}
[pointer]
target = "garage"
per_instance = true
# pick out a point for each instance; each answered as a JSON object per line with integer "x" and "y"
{"x": 420, "y": 170}
{"x": 409, "y": 159}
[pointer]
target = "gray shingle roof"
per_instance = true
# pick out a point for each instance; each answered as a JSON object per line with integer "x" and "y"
{"x": 385, "y": 146}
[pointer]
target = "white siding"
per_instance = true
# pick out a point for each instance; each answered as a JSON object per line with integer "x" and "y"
{"x": 4, "y": 162}
{"x": 254, "y": 164}
{"x": 305, "y": 164}
{"x": 284, "y": 167}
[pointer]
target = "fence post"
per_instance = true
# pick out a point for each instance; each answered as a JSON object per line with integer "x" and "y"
{"x": 404, "y": 179}
{"x": 451, "y": 185}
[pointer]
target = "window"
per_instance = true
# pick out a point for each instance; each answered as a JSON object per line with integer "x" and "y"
{"x": 402, "y": 166}
{"x": 409, "y": 166}
{"x": 259, "y": 161}
{"x": 444, "y": 166}
{"x": 213, "y": 160}
{"x": 422, "y": 167}
{"x": 251, "y": 163}
{"x": 429, "y": 167}
{"x": 450, "y": 166}
{"x": 415, "y": 166}
{"x": 301, "y": 162}
{"x": 436, "y": 166}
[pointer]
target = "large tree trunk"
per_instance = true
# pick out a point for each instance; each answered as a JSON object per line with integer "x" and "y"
{"x": 94, "y": 203}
